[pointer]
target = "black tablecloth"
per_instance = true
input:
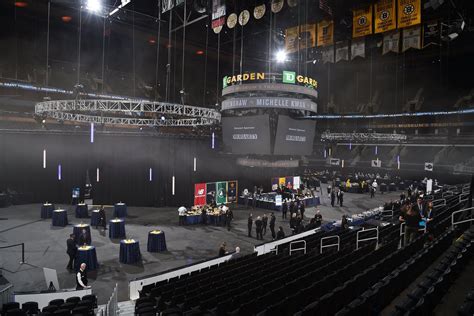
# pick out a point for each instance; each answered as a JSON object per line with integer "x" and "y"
{"x": 88, "y": 256}
{"x": 129, "y": 252}
{"x": 95, "y": 218}
{"x": 117, "y": 228}
{"x": 47, "y": 210}
{"x": 81, "y": 211}
{"x": 120, "y": 210}
{"x": 156, "y": 241}
{"x": 77, "y": 230}
{"x": 59, "y": 218}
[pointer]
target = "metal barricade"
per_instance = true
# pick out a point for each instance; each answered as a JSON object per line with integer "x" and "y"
{"x": 463, "y": 197}
{"x": 439, "y": 202}
{"x": 402, "y": 233}
{"x": 367, "y": 239}
{"x": 447, "y": 194}
{"x": 338, "y": 244}
{"x": 297, "y": 249}
{"x": 111, "y": 308}
{"x": 386, "y": 213}
{"x": 471, "y": 219}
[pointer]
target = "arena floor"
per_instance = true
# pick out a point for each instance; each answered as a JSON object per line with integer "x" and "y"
{"x": 46, "y": 245}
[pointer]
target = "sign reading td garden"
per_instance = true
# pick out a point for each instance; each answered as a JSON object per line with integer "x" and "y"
{"x": 288, "y": 77}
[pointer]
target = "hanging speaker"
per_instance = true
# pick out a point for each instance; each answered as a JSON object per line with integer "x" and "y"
{"x": 201, "y": 6}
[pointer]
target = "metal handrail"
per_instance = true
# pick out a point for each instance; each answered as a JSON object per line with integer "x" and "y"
{"x": 384, "y": 212}
{"x": 338, "y": 244}
{"x": 367, "y": 239}
{"x": 402, "y": 232}
{"x": 22, "y": 251}
{"x": 453, "y": 223}
{"x": 297, "y": 249}
{"x": 447, "y": 193}
{"x": 434, "y": 202}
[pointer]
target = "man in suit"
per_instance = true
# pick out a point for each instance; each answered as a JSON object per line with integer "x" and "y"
{"x": 249, "y": 224}
{"x": 333, "y": 198}
{"x": 420, "y": 207}
{"x": 102, "y": 218}
{"x": 341, "y": 197}
{"x": 265, "y": 223}
{"x": 259, "y": 228}
{"x": 71, "y": 250}
{"x": 318, "y": 218}
{"x": 272, "y": 225}
{"x": 284, "y": 209}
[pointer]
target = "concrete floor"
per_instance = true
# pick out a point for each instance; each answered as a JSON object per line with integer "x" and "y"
{"x": 46, "y": 245}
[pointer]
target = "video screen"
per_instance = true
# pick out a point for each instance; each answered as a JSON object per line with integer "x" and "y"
{"x": 294, "y": 137}
{"x": 247, "y": 135}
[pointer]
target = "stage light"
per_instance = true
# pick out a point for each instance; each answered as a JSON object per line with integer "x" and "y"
{"x": 97, "y": 175}
{"x": 281, "y": 56}
{"x": 376, "y": 150}
{"x": 150, "y": 175}
{"x": 172, "y": 185}
{"x": 94, "y": 6}
{"x": 21, "y": 4}
{"x": 199, "y": 52}
{"x": 92, "y": 133}
{"x": 213, "y": 142}
{"x": 163, "y": 118}
{"x": 44, "y": 158}
{"x": 59, "y": 173}
{"x": 66, "y": 18}
{"x": 195, "y": 160}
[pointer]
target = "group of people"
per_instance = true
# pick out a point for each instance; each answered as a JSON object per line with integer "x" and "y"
{"x": 336, "y": 194}
{"x": 223, "y": 212}
{"x": 261, "y": 223}
{"x": 295, "y": 206}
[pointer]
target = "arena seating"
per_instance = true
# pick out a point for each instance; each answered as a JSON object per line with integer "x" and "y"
{"x": 347, "y": 282}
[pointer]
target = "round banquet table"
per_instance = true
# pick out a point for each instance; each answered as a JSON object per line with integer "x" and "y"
{"x": 81, "y": 210}
{"x": 193, "y": 219}
{"x": 120, "y": 210}
{"x": 77, "y": 229}
{"x": 95, "y": 218}
{"x": 129, "y": 251}
{"x": 47, "y": 210}
{"x": 59, "y": 218}
{"x": 87, "y": 255}
{"x": 117, "y": 228}
{"x": 156, "y": 241}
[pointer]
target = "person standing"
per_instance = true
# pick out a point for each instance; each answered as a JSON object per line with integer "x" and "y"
{"x": 341, "y": 197}
{"x": 102, "y": 218}
{"x": 249, "y": 224}
{"x": 258, "y": 228}
{"x": 272, "y": 225}
{"x": 333, "y": 198}
{"x": 372, "y": 191}
{"x": 411, "y": 218}
{"x": 284, "y": 209}
{"x": 264, "y": 223}
{"x": 420, "y": 207}
{"x": 222, "y": 250}
{"x": 292, "y": 208}
{"x": 254, "y": 199}
{"x": 204, "y": 216}
{"x": 302, "y": 209}
{"x": 318, "y": 218}
{"x": 229, "y": 217}
{"x": 280, "y": 233}
{"x": 338, "y": 194}
{"x": 71, "y": 251}
{"x": 182, "y": 215}
{"x": 344, "y": 222}
{"x": 81, "y": 278}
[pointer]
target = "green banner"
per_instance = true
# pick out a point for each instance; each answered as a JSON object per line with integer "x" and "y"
{"x": 221, "y": 197}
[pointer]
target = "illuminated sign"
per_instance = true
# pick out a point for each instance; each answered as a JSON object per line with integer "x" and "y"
{"x": 252, "y": 76}
{"x": 269, "y": 102}
{"x": 288, "y": 77}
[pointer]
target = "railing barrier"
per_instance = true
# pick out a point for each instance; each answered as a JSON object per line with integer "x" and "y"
{"x": 22, "y": 251}
{"x": 297, "y": 249}
{"x": 453, "y": 222}
{"x": 367, "y": 239}
{"x": 435, "y": 202}
{"x": 338, "y": 244}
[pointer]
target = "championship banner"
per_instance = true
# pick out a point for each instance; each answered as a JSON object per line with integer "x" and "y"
{"x": 358, "y": 48}
{"x": 377, "y": 163}
{"x": 325, "y": 33}
{"x": 301, "y": 37}
{"x": 210, "y": 192}
{"x": 342, "y": 51}
{"x": 411, "y": 38}
{"x": 385, "y": 19}
{"x": 221, "y": 197}
{"x": 328, "y": 54}
{"x": 362, "y": 22}
{"x": 431, "y": 33}
{"x": 218, "y": 13}
{"x": 291, "y": 39}
{"x": 334, "y": 161}
{"x": 231, "y": 191}
{"x": 409, "y": 13}
{"x": 166, "y": 5}
{"x": 429, "y": 166}
{"x": 200, "y": 194}
{"x": 391, "y": 42}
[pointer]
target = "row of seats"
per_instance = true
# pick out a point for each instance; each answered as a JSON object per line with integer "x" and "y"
{"x": 467, "y": 307}
{"x": 429, "y": 291}
{"x": 58, "y": 307}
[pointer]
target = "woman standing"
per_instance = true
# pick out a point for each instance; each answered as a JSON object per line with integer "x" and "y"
{"x": 411, "y": 218}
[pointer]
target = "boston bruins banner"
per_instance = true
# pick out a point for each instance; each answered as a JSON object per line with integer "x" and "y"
{"x": 391, "y": 42}
{"x": 300, "y": 37}
{"x": 411, "y": 38}
{"x": 358, "y": 48}
{"x": 325, "y": 33}
{"x": 409, "y": 13}
{"x": 362, "y": 22}
{"x": 385, "y": 19}
{"x": 431, "y": 33}
{"x": 342, "y": 51}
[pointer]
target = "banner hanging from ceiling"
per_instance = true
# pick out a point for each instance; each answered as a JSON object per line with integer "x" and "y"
{"x": 218, "y": 13}
{"x": 362, "y": 22}
{"x": 385, "y": 19}
{"x": 221, "y": 192}
{"x": 409, "y": 13}
{"x": 325, "y": 33}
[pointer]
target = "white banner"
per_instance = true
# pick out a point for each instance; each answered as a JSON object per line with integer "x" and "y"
{"x": 334, "y": 161}
{"x": 358, "y": 48}
{"x": 296, "y": 182}
{"x": 411, "y": 38}
{"x": 342, "y": 51}
{"x": 377, "y": 163}
{"x": 391, "y": 42}
{"x": 328, "y": 54}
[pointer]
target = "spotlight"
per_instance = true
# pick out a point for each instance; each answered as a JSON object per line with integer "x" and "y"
{"x": 94, "y": 6}
{"x": 163, "y": 118}
{"x": 281, "y": 56}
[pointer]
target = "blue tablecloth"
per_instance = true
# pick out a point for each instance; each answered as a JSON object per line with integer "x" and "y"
{"x": 47, "y": 210}
{"x": 77, "y": 231}
{"x": 129, "y": 252}
{"x": 81, "y": 211}
{"x": 312, "y": 201}
{"x": 88, "y": 256}
{"x": 117, "y": 228}
{"x": 95, "y": 218}
{"x": 120, "y": 210}
{"x": 156, "y": 241}
{"x": 193, "y": 219}
{"x": 59, "y": 218}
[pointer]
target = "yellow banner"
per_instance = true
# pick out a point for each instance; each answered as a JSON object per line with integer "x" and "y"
{"x": 362, "y": 22}
{"x": 303, "y": 38}
{"x": 325, "y": 33}
{"x": 385, "y": 19}
{"x": 409, "y": 13}
{"x": 281, "y": 182}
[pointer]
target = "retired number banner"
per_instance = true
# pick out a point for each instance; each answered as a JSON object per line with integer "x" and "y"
{"x": 409, "y": 13}
{"x": 385, "y": 19}
{"x": 362, "y": 22}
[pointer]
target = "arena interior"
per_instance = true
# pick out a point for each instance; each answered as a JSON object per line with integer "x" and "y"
{"x": 251, "y": 157}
